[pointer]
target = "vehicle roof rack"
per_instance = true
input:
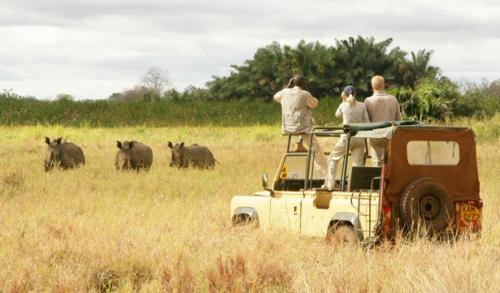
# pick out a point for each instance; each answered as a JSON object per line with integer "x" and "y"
{"x": 353, "y": 128}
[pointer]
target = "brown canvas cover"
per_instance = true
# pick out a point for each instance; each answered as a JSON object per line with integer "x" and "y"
{"x": 461, "y": 180}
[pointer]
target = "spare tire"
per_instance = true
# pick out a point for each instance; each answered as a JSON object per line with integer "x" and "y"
{"x": 426, "y": 205}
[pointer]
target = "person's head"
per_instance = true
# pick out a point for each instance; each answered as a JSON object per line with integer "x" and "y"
{"x": 378, "y": 83}
{"x": 297, "y": 80}
{"x": 349, "y": 95}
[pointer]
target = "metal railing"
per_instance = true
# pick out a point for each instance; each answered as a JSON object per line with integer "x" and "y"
{"x": 359, "y": 196}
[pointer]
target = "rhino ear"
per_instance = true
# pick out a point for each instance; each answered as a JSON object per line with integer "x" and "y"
{"x": 118, "y": 144}
{"x": 131, "y": 144}
{"x": 47, "y": 140}
{"x": 182, "y": 144}
{"x": 170, "y": 144}
{"x": 59, "y": 140}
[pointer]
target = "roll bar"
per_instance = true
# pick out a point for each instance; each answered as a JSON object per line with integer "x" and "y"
{"x": 336, "y": 131}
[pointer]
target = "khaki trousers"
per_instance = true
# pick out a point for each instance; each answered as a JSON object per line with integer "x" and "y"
{"x": 319, "y": 155}
{"x": 357, "y": 148}
{"x": 378, "y": 147}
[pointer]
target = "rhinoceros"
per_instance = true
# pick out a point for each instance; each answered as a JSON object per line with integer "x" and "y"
{"x": 65, "y": 155}
{"x": 133, "y": 155}
{"x": 194, "y": 155}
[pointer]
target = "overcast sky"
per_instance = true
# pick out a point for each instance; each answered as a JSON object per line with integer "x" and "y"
{"x": 92, "y": 48}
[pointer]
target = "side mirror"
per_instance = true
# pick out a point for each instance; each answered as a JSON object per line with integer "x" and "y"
{"x": 265, "y": 180}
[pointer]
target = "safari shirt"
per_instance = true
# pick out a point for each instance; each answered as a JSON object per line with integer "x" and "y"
{"x": 352, "y": 114}
{"x": 382, "y": 107}
{"x": 296, "y": 105}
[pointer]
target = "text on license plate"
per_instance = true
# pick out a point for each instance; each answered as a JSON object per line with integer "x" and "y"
{"x": 469, "y": 213}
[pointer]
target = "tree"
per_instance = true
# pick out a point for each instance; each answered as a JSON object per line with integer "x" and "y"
{"x": 359, "y": 59}
{"x": 418, "y": 67}
{"x": 328, "y": 69}
{"x": 138, "y": 93}
{"x": 65, "y": 97}
{"x": 431, "y": 99}
{"x": 155, "y": 79}
{"x": 479, "y": 99}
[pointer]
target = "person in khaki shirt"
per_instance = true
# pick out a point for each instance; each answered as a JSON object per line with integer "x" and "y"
{"x": 296, "y": 105}
{"x": 381, "y": 107}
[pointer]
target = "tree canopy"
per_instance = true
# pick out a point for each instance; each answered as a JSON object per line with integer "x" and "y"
{"x": 328, "y": 69}
{"x": 423, "y": 92}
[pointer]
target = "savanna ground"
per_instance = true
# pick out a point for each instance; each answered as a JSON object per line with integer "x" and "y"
{"x": 97, "y": 229}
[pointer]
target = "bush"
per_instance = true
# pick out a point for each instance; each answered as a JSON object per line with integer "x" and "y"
{"x": 431, "y": 99}
{"x": 479, "y": 100}
{"x": 171, "y": 112}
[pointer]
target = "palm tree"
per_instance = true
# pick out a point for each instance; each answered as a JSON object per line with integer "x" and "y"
{"x": 418, "y": 67}
{"x": 362, "y": 58}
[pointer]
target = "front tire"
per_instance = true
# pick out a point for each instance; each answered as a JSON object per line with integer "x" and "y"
{"x": 241, "y": 220}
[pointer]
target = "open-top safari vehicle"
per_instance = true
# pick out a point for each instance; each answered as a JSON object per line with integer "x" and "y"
{"x": 428, "y": 183}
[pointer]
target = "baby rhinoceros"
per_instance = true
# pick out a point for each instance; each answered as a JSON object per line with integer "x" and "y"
{"x": 65, "y": 155}
{"x": 194, "y": 155}
{"x": 133, "y": 155}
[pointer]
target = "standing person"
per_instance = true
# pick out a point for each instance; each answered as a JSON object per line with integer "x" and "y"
{"x": 381, "y": 107}
{"x": 296, "y": 105}
{"x": 351, "y": 111}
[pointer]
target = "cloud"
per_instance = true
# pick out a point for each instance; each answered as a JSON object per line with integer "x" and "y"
{"x": 92, "y": 48}
{"x": 8, "y": 76}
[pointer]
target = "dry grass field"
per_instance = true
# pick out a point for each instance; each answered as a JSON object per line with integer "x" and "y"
{"x": 97, "y": 229}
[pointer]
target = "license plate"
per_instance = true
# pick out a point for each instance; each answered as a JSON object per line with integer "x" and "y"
{"x": 470, "y": 213}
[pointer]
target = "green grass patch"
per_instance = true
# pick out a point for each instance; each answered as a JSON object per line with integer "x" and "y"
{"x": 105, "y": 113}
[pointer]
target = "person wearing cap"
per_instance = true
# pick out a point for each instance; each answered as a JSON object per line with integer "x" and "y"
{"x": 381, "y": 107}
{"x": 296, "y": 105}
{"x": 351, "y": 111}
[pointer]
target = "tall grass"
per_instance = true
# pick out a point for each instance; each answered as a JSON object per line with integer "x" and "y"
{"x": 161, "y": 113}
{"x": 95, "y": 229}
{"x": 487, "y": 130}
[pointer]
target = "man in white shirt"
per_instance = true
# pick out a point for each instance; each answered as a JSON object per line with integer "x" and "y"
{"x": 381, "y": 107}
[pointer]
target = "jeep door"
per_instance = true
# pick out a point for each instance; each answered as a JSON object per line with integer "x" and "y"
{"x": 286, "y": 205}
{"x": 286, "y": 210}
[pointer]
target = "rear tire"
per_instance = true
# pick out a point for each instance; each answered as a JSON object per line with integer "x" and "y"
{"x": 341, "y": 234}
{"x": 426, "y": 205}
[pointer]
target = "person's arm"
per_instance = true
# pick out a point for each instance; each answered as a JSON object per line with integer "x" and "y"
{"x": 311, "y": 101}
{"x": 398, "y": 109}
{"x": 338, "y": 113}
{"x": 365, "y": 117}
{"x": 368, "y": 110}
{"x": 277, "y": 97}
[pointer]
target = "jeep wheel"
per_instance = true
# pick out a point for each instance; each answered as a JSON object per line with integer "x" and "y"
{"x": 343, "y": 235}
{"x": 426, "y": 205}
{"x": 244, "y": 220}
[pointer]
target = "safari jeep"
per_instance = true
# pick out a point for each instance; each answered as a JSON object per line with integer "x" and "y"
{"x": 428, "y": 183}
